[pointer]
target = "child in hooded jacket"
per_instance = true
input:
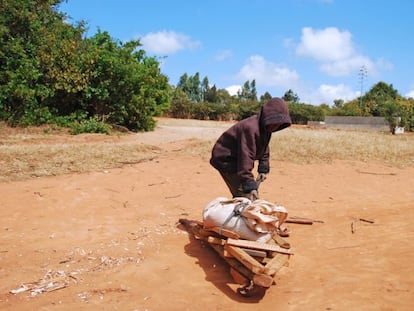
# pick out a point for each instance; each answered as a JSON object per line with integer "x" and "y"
{"x": 236, "y": 150}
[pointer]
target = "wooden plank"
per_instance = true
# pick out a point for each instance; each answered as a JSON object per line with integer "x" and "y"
{"x": 276, "y": 263}
{"x": 280, "y": 241}
{"x": 194, "y": 227}
{"x": 224, "y": 232}
{"x": 299, "y": 221}
{"x": 238, "y": 277}
{"x": 247, "y": 260}
{"x": 214, "y": 240}
{"x": 262, "y": 279}
{"x": 258, "y": 245}
{"x": 204, "y": 233}
{"x": 256, "y": 254}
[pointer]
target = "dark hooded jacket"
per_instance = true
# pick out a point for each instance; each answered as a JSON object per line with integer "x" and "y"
{"x": 247, "y": 141}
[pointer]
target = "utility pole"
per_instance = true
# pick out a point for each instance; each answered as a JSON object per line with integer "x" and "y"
{"x": 363, "y": 73}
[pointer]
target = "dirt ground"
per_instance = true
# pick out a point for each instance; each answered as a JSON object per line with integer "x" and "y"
{"x": 111, "y": 238}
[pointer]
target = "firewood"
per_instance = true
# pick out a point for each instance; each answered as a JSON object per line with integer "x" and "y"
{"x": 280, "y": 241}
{"x": 259, "y": 246}
{"x": 263, "y": 280}
{"x": 247, "y": 260}
{"x": 214, "y": 240}
{"x": 224, "y": 232}
{"x": 238, "y": 277}
{"x": 276, "y": 263}
{"x": 256, "y": 254}
{"x": 299, "y": 221}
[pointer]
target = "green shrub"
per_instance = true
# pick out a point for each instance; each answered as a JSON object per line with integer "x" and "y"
{"x": 91, "y": 125}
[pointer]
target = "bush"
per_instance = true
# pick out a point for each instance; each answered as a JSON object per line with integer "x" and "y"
{"x": 91, "y": 125}
{"x": 49, "y": 70}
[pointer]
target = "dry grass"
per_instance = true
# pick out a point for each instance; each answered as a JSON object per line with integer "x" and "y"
{"x": 29, "y": 153}
{"x": 22, "y": 162}
{"x": 309, "y": 146}
{"x": 306, "y": 146}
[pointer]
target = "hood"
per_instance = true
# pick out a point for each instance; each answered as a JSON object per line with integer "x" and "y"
{"x": 275, "y": 112}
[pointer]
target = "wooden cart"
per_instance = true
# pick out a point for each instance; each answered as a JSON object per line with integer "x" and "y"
{"x": 253, "y": 265}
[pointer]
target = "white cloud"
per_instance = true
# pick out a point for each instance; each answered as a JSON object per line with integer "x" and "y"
{"x": 335, "y": 51}
{"x": 233, "y": 89}
{"x": 267, "y": 73}
{"x": 223, "y": 55}
{"x": 167, "y": 42}
{"x": 332, "y": 92}
{"x": 324, "y": 45}
{"x": 410, "y": 94}
{"x": 270, "y": 75}
{"x": 328, "y": 93}
{"x": 348, "y": 66}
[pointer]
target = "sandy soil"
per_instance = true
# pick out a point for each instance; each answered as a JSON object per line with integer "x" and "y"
{"x": 112, "y": 240}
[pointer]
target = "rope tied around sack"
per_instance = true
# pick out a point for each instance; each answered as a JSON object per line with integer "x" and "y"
{"x": 237, "y": 212}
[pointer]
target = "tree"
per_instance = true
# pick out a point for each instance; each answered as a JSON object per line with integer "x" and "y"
{"x": 192, "y": 86}
{"x": 48, "y": 71}
{"x": 205, "y": 89}
{"x": 248, "y": 91}
{"x": 223, "y": 97}
{"x": 375, "y": 100}
{"x": 180, "y": 105}
{"x": 195, "y": 93}
{"x": 291, "y": 97}
{"x": 302, "y": 113}
{"x": 265, "y": 98}
{"x": 183, "y": 83}
{"x": 253, "y": 91}
{"x": 392, "y": 115}
{"x": 338, "y": 103}
{"x": 128, "y": 87}
{"x": 212, "y": 95}
{"x": 38, "y": 58}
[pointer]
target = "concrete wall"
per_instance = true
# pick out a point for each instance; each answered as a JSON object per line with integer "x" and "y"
{"x": 370, "y": 123}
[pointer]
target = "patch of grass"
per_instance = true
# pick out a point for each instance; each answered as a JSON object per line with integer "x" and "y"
{"x": 304, "y": 145}
{"x": 24, "y": 161}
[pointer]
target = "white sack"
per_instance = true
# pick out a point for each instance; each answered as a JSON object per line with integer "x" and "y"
{"x": 258, "y": 221}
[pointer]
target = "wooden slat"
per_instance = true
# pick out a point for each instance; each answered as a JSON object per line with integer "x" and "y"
{"x": 276, "y": 263}
{"x": 214, "y": 240}
{"x": 247, "y": 260}
{"x": 196, "y": 228}
{"x": 299, "y": 221}
{"x": 258, "y": 245}
{"x": 262, "y": 279}
{"x": 238, "y": 277}
{"x": 224, "y": 232}
{"x": 204, "y": 233}
{"x": 280, "y": 241}
{"x": 256, "y": 254}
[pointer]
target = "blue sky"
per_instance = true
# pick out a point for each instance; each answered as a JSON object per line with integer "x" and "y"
{"x": 321, "y": 49}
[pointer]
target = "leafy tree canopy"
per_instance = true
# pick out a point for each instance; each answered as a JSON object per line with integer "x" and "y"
{"x": 50, "y": 72}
